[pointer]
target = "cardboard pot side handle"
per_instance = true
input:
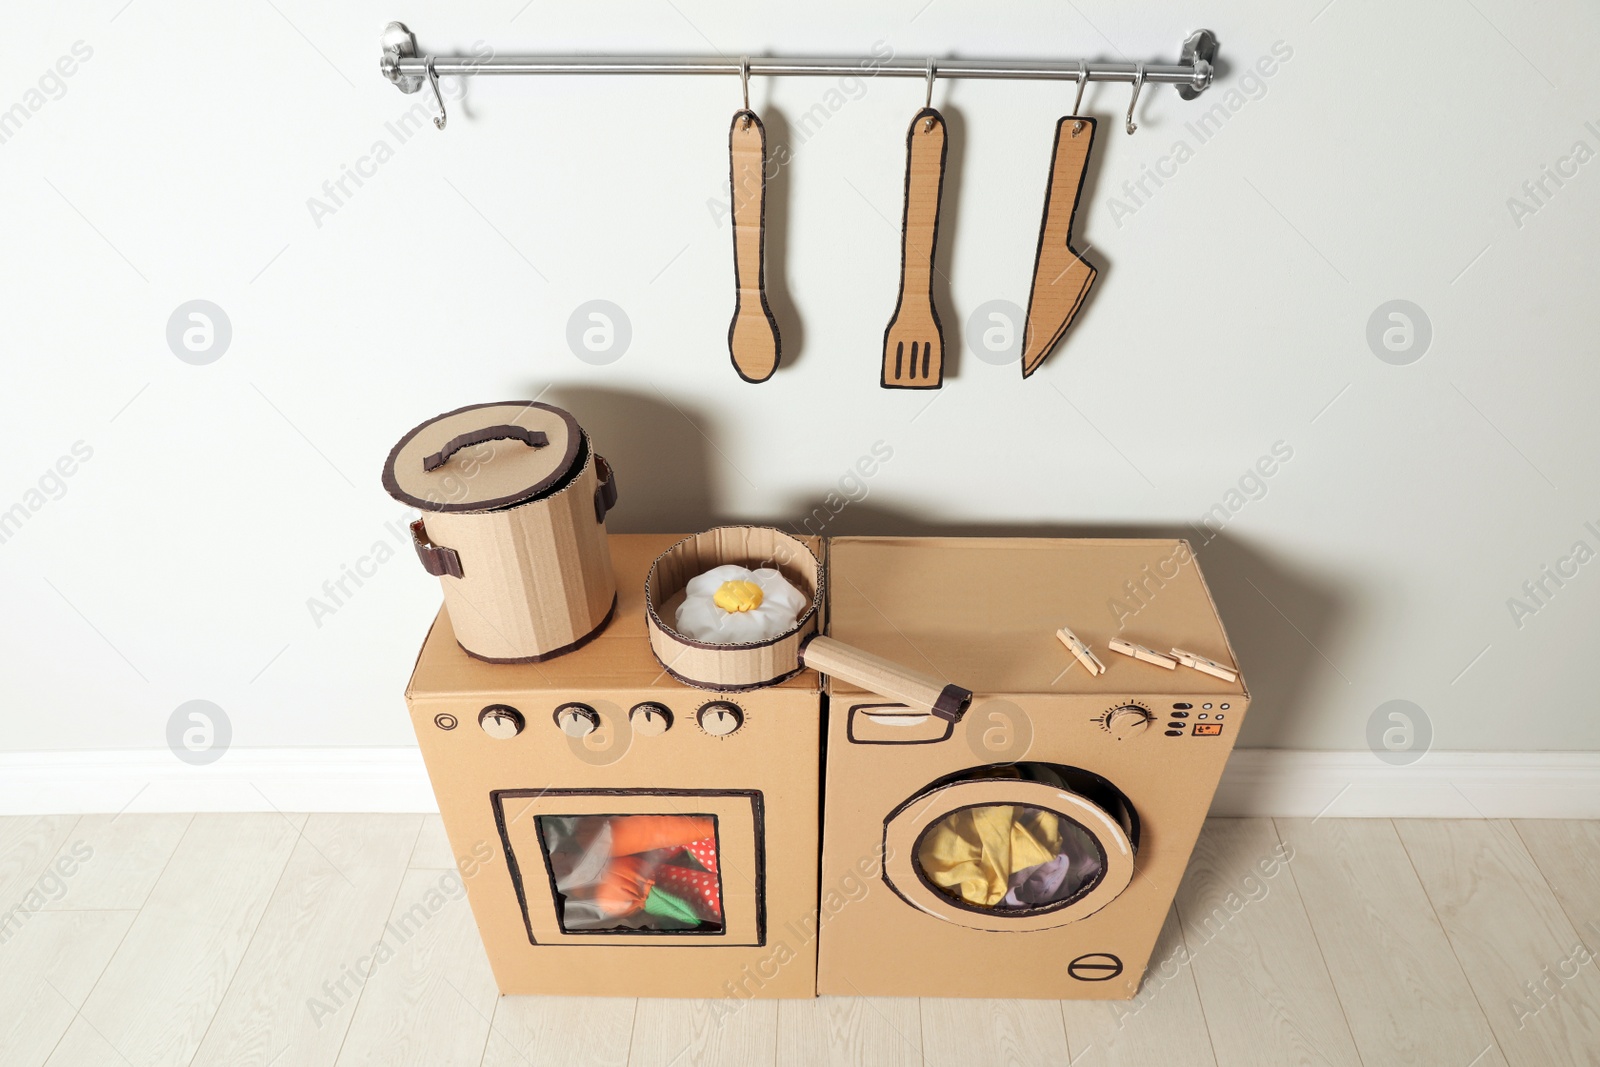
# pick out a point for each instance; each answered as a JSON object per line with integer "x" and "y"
{"x": 878, "y": 675}
{"x": 436, "y": 559}
{"x": 605, "y": 494}
{"x": 531, "y": 438}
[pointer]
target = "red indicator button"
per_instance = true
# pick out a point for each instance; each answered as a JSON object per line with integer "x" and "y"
{"x": 1207, "y": 729}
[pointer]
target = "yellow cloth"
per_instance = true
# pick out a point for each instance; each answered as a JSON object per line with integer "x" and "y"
{"x": 972, "y": 853}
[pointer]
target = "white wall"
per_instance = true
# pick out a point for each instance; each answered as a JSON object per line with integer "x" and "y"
{"x": 1375, "y": 163}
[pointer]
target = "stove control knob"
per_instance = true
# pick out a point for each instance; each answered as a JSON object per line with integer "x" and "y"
{"x": 577, "y": 720}
{"x": 721, "y": 718}
{"x": 501, "y": 721}
{"x": 650, "y": 719}
{"x": 1127, "y": 720}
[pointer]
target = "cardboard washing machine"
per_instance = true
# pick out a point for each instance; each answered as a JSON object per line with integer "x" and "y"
{"x": 1033, "y": 848}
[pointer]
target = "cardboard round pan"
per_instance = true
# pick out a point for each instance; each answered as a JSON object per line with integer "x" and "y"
{"x": 763, "y": 663}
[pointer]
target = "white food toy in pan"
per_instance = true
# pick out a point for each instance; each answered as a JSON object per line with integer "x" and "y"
{"x": 746, "y": 603}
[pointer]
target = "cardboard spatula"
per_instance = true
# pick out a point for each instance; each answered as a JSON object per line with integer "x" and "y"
{"x": 1061, "y": 277}
{"x": 753, "y": 334}
{"x": 913, "y": 344}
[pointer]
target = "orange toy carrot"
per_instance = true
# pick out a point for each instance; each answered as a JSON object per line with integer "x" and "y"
{"x": 642, "y": 833}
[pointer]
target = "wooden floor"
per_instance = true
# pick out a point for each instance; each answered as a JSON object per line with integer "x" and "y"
{"x": 231, "y": 940}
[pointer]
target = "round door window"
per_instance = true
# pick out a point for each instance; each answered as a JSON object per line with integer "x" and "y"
{"x": 1015, "y": 847}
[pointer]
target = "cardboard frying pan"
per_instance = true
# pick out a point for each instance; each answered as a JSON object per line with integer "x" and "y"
{"x": 763, "y": 663}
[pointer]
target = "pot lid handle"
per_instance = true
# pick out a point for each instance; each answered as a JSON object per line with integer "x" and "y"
{"x": 531, "y": 438}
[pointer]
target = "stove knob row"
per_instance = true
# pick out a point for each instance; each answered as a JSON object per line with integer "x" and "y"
{"x": 720, "y": 718}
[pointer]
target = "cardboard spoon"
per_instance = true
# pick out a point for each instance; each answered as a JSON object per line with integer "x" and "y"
{"x": 753, "y": 334}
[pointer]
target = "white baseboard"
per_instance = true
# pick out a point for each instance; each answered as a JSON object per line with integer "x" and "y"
{"x": 1441, "y": 785}
{"x": 1258, "y": 782}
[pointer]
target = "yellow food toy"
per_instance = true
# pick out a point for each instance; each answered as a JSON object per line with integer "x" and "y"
{"x": 733, "y": 605}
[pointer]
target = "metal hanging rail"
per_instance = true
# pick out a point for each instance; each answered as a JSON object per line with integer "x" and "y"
{"x": 406, "y": 68}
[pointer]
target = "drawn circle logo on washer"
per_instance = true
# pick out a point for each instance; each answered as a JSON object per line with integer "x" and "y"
{"x": 1095, "y": 967}
{"x": 998, "y": 731}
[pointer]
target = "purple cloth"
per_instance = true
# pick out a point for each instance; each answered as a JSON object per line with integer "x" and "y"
{"x": 1043, "y": 883}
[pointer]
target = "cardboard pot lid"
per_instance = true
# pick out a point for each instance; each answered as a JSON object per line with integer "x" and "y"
{"x": 483, "y": 457}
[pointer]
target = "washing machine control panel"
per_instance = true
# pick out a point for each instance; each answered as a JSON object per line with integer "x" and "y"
{"x": 1207, "y": 718}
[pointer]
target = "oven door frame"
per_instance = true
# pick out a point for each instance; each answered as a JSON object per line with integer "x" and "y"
{"x": 741, "y": 860}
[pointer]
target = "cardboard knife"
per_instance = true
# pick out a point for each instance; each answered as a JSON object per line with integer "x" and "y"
{"x": 1061, "y": 277}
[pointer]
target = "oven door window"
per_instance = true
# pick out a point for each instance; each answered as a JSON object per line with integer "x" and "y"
{"x": 652, "y": 867}
{"x": 634, "y": 872}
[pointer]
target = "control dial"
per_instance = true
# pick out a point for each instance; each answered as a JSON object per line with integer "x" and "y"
{"x": 501, "y": 721}
{"x": 650, "y": 719}
{"x": 577, "y": 720}
{"x": 721, "y": 718}
{"x": 1126, "y": 720}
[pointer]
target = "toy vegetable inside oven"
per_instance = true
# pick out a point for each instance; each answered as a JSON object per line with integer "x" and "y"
{"x": 515, "y": 503}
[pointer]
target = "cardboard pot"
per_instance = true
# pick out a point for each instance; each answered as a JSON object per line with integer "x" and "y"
{"x": 515, "y": 503}
{"x": 731, "y": 667}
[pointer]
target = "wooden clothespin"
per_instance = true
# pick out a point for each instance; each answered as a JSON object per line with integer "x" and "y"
{"x": 1144, "y": 655}
{"x": 1206, "y": 666}
{"x": 1080, "y": 651}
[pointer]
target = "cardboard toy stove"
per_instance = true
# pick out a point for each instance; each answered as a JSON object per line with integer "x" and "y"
{"x": 1029, "y": 847}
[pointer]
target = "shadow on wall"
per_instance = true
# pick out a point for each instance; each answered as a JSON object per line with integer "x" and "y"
{"x": 1255, "y": 594}
{"x": 663, "y": 462}
{"x": 775, "y": 273}
{"x": 944, "y": 251}
{"x": 665, "y": 481}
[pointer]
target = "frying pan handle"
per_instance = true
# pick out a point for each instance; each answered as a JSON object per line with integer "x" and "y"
{"x": 531, "y": 438}
{"x": 881, "y": 676}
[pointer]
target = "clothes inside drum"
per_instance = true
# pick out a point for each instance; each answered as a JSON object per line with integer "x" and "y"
{"x": 1011, "y": 856}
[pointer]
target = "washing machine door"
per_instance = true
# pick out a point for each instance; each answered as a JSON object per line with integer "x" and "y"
{"x": 1000, "y": 849}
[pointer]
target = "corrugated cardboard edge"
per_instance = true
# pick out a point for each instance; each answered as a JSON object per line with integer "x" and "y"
{"x": 538, "y": 579}
{"x": 391, "y": 478}
{"x": 1194, "y": 560}
{"x": 1233, "y": 657}
{"x": 732, "y": 667}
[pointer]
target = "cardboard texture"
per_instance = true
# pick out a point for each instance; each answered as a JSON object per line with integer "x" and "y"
{"x": 1133, "y": 754}
{"x": 515, "y": 502}
{"x": 1139, "y": 764}
{"x": 878, "y": 675}
{"x": 753, "y": 338}
{"x": 1061, "y": 276}
{"x": 746, "y": 666}
{"x": 913, "y": 342}
{"x": 732, "y": 667}
{"x": 758, "y": 783}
